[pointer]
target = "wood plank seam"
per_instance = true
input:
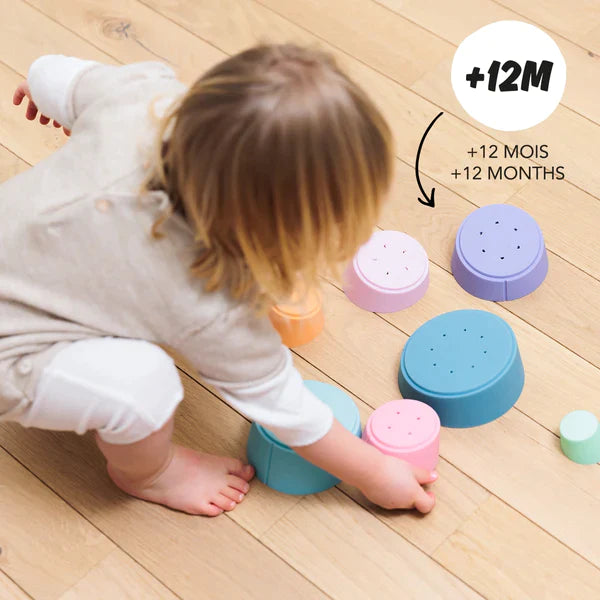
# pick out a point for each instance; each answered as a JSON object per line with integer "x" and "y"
{"x": 66, "y": 501}
{"x": 149, "y": 7}
{"x": 11, "y": 152}
{"x": 324, "y": 40}
{"x": 398, "y": 158}
{"x": 76, "y": 583}
{"x": 568, "y": 262}
{"x": 438, "y": 36}
{"x": 492, "y": 494}
{"x": 195, "y": 378}
{"x": 480, "y": 507}
{"x": 560, "y": 35}
{"x": 16, "y": 584}
{"x": 410, "y": 90}
{"x": 500, "y": 306}
{"x": 435, "y": 560}
{"x": 404, "y": 161}
{"x": 87, "y": 41}
{"x": 447, "y": 269}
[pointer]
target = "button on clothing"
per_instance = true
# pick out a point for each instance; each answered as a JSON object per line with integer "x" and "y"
{"x": 71, "y": 270}
{"x": 24, "y": 366}
{"x": 102, "y": 205}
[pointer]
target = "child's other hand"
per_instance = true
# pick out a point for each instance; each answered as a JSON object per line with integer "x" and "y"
{"x": 397, "y": 484}
{"x": 21, "y": 92}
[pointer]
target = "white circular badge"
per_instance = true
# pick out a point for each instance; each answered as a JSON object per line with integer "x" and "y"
{"x": 509, "y": 75}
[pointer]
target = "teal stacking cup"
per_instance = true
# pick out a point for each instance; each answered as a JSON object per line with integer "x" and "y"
{"x": 580, "y": 437}
{"x": 279, "y": 467}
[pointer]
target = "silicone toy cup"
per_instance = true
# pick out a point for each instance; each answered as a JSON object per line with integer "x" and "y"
{"x": 465, "y": 364}
{"x": 580, "y": 437}
{"x": 407, "y": 429}
{"x": 389, "y": 273}
{"x": 499, "y": 253}
{"x": 299, "y": 323}
{"x": 279, "y": 467}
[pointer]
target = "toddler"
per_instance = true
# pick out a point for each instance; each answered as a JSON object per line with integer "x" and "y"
{"x": 271, "y": 168}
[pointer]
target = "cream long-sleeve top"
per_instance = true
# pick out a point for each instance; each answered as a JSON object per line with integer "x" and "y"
{"x": 77, "y": 259}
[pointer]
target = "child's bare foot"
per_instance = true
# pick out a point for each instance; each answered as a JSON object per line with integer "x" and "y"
{"x": 196, "y": 483}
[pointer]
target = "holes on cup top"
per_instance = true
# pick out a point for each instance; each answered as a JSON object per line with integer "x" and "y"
{"x": 481, "y": 337}
{"x": 481, "y": 233}
{"x": 483, "y": 249}
{"x": 485, "y": 351}
{"x": 418, "y": 418}
{"x": 465, "y": 329}
{"x": 385, "y": 245}
{"x": 516, "y": 229}
{"x": 389, "y": 426}
{"x": 403, "y": 251}
{"x": 410, "y": 433}
{"x": 431, "y": 349}
{"x": 435, "y": 364}
{"x": 497, "y": 222}
{"x": 387, "y": 272}
{"x": 443, "y": 335}
{"x": 406, "y": 268}
{"x": 502, "y": 258}
{"x": 397, "y": 412}
{"x": 472, "y": 366}
{"x": 451, "y": 371}
{"x": 518, "y": 247}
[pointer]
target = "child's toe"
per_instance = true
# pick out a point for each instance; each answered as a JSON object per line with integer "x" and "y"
{"x": 237, "y": 483}
{"x": 222, "y": 501}
{"x": 211, "y": 510}
{"x": 234, "y": 465}
{"x": 247, "y": 472}
{"x": 232, "y": 494}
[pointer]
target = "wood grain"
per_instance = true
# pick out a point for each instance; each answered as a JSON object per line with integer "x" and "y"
{"x": 505, "y": 556}
{"x": 349, "y": 554}
{"x": 46, "y": 545}
{"x": 118, "y": 576}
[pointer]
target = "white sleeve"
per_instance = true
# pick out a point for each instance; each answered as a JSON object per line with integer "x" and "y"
{"x": 282, "y": 404}
{"x": 241, "y": 355}
{"x": 52, "y": 79}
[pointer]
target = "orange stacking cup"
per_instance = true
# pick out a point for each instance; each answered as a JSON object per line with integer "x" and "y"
{"x": 299, "y": 322}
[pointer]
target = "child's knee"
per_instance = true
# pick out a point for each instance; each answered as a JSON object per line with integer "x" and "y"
{"x": 149, "y": 397}
{"x": 125, "y": 389}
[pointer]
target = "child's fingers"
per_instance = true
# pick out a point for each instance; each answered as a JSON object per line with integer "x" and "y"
{"x": 424, "y": 501}
{"x": 31, "y": 111}
{"x": 18, "y": 96}
{"x": 424, "y": 475}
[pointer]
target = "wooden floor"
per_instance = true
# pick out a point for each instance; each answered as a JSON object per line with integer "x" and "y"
{"x": 515, "y": 519}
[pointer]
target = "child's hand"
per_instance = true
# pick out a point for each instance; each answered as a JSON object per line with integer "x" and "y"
{"x": 21, "y": 92}
{"x": 397, "y": 484}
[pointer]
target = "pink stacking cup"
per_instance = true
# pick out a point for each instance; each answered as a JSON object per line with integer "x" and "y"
{"x": 389, "y": 273}
{"x": 407, "y": 429}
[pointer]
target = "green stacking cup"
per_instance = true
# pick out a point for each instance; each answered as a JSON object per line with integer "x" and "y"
{"x": 580, "y": 437}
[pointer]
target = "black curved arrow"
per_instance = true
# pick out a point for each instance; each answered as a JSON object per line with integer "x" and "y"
{"x": 427, "y": 201}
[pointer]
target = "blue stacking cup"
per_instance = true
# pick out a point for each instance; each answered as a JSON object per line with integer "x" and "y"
{"x": 466, "y": 365}
{"x": 279, "y": 467}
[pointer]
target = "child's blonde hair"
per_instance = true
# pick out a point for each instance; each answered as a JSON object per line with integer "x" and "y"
{"x": 280, "y": 163}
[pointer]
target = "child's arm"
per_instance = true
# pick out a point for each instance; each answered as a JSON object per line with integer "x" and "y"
{"x": 385, "y": 480}
{"x": 49, "y": 88}
{"x": 242, "y": 357}
{"x": 62, "y": 87}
